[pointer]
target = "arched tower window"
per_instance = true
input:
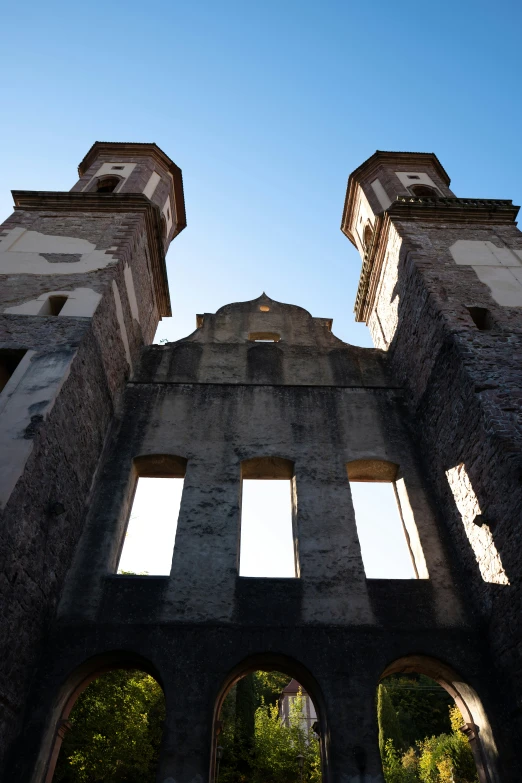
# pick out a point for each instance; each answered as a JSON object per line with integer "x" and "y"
{"x": 424, "y": 191}
{"x": 368, "y": 234}
{"x": 107, "y": 184}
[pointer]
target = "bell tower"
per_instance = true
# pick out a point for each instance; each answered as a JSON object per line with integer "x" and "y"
{"x": 441, "y": 292}
{"x": 83, "y": 285}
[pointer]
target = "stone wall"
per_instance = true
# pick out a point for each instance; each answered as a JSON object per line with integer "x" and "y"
{"x": 57, "y": 417}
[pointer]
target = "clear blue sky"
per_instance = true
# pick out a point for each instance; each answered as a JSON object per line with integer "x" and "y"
{"x": 267, "y": 107}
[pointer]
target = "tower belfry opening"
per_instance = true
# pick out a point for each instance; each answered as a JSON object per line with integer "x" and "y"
{"x": 261, "y": 392}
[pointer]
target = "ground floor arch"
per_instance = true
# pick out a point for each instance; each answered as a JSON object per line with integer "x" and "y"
{"x": 296, "y": 674}
{"x": 76, "y": 684}
{"x": 476, "y": 726}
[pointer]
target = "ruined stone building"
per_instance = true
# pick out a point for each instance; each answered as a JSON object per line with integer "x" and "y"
{"x": 259, "y": 390}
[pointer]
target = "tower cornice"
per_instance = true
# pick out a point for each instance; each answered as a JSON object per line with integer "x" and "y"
{"x": 59, "y": 201}
{"x": 442, "y": 210}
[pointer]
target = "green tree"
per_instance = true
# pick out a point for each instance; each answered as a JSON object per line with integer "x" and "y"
{"x": 116, "y": 729}
{"x": 269, "y": 754}
{"x": 421, "y": 706}
{"x": 278, "y": 745}
{"x": 445, "y": 758}
{"x": 389, "y": 726}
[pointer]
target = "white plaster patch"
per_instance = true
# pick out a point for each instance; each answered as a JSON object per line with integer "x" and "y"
{"x": 480, "y": 538}
{"x": 409, "y": 178}
{"x": 384, "y": 199}
{"x": 152, "y": 184}
{"x": 167, "y": 213}
{"x": 500, "y": 268}
{"x": 107, "y": 169}
{"x": 131, "y": 293}
{"x": 475, "y": 252}
{"x": 20, "y": 254}
{"x": 81, "y": 302}
{"x": 121, "y": 322}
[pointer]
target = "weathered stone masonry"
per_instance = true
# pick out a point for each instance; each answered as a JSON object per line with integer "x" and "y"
{"x": 105, "y": 252}
{"x": 433, "y": 404}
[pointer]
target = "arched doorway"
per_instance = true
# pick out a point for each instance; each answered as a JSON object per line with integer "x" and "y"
{"x": 461, "y": 741}
{"x": 108, "y": 724}
{"x": 269, "y": 724}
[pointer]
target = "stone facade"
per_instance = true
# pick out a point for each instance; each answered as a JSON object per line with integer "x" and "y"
{"x": 103, "y": 254}
{"x": 433, "y": 409}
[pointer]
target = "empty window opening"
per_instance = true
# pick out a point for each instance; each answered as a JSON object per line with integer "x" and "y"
{"x": 267, "y": 530}
{"x": 113, "y": 731}
{"x": 385, "y": 548}
{"x": 9, "y": 361}
{"x": 481, "y": 318}
{"x": 264, "y": 337}
{"x": 107, "y": 184}
{"x": 421, "y": 728}
{"x": 153, "y": 519}
{"x": 117, "y": 168}
{"x": 53, "y": 305}
{"x": 368, "y": 234}
{"x": 268, "y": 730}
{"x": 424, "y": 191}
{"x": 151, "y": 531}
{"x": 264, "y": 308}
{"x": 413, "y": 176}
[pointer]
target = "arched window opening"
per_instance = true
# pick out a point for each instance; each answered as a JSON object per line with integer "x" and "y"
{"x": 390, "y": 545}
{"x": 268, "y": 545}
{"x": 107, "y": 184}
{"x": 267, "y": 727}
{"x": 152, "y": 522}
{"x": 424, "y": 191}
{"x": 111, "y": 729}
{"x": 432, "y": 726}
{"x": 368, "y": 235}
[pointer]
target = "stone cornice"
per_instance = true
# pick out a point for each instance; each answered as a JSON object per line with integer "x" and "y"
{"x": 152, "y": 150}
{"x": 441, "y": 210}
{"x": 37, "y": 201}
{"x": 461, "y": 210}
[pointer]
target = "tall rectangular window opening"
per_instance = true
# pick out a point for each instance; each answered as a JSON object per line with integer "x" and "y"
{"x": 385, "y": 544}
{"x": 149, "y": 540}
{"x": 267, "y": 540}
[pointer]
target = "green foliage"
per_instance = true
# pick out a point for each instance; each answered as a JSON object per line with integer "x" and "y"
{"x": 389, "y": 726}
{"x": 421, "y": 707}
{"x": 269, "y": 753}
{"x": 445, "y": 758}
{"x": 277, "y": 746}
{"x": 116, "y": 729}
